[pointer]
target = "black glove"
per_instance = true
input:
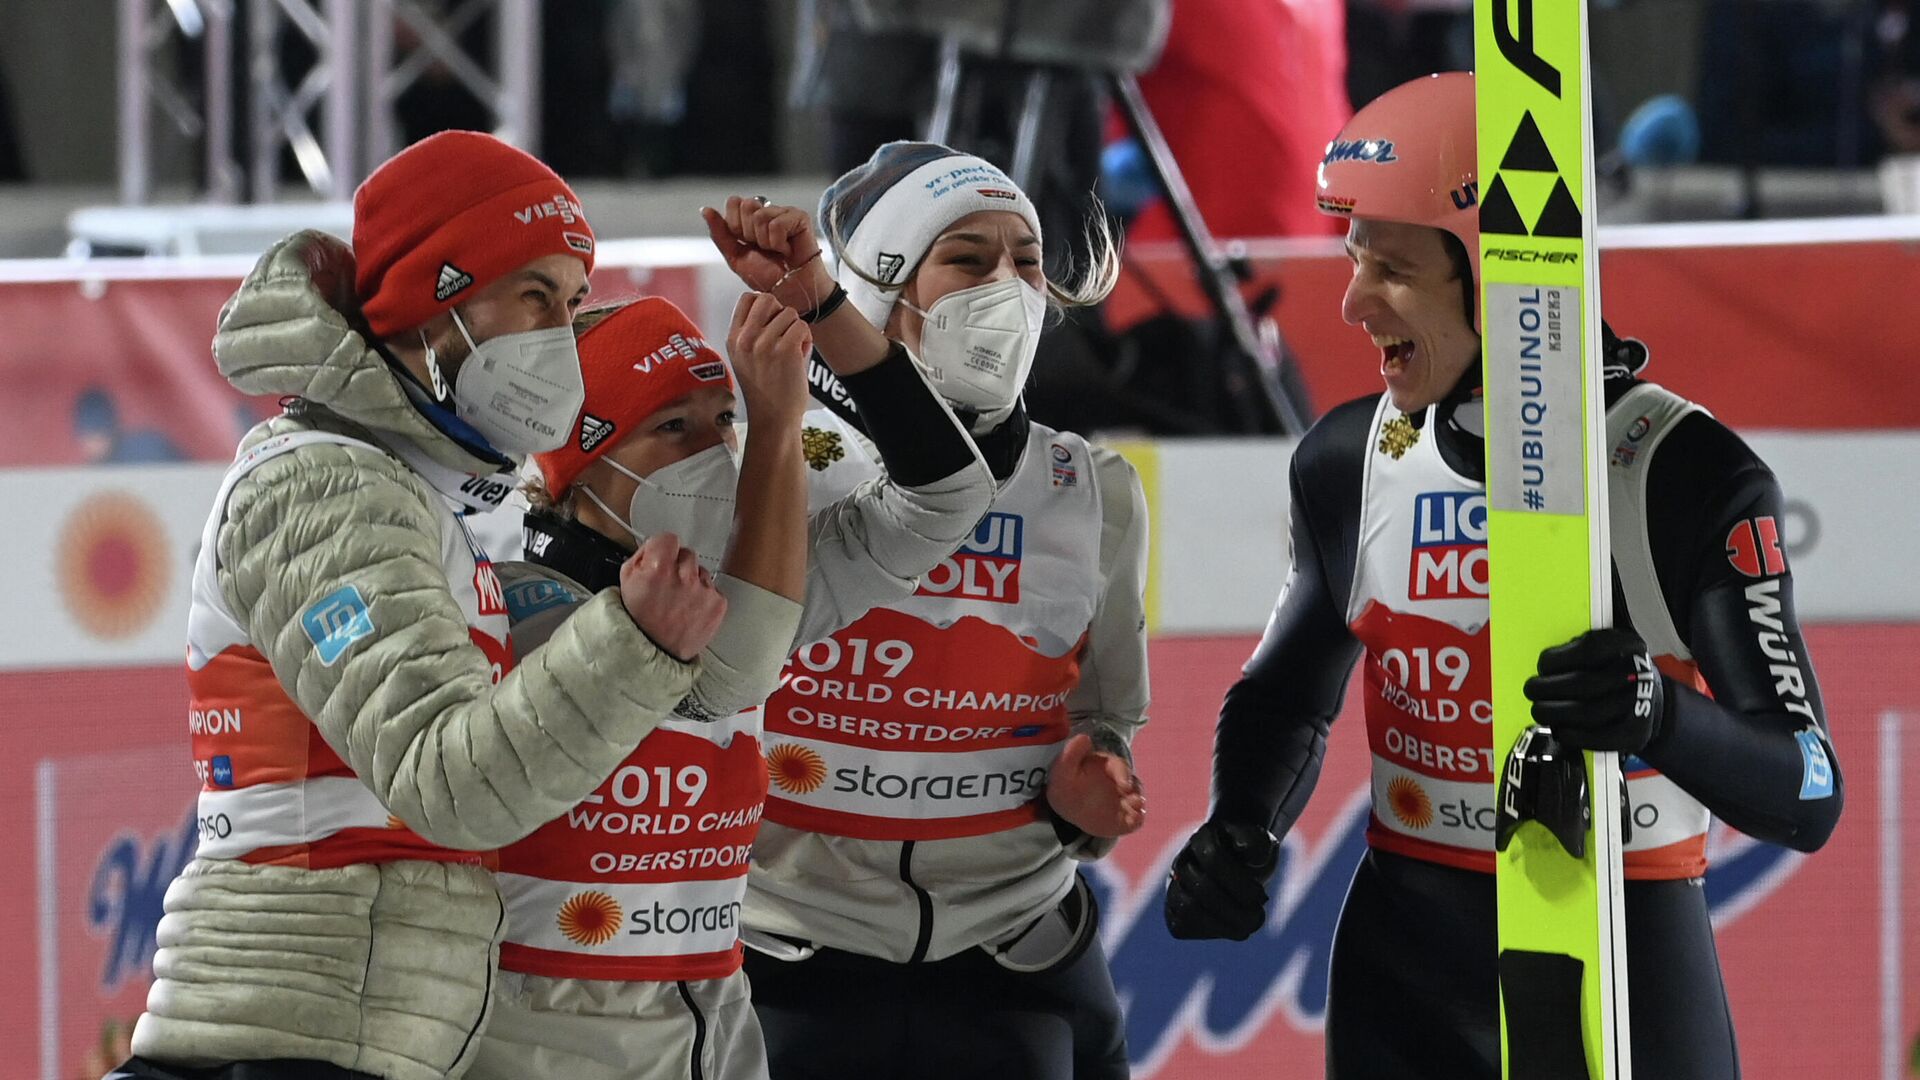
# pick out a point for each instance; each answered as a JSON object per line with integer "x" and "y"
{"x": 1218, "y": 887}
{"x": 1600, "y": 691}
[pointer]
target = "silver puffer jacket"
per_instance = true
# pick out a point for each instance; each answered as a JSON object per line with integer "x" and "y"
{"x": 381, "y": 968}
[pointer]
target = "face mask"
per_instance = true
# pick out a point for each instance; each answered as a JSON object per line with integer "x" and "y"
{"x": 691, "y": 498}
{"x": 523, "y": 391}
{"x": 977, "y": 345}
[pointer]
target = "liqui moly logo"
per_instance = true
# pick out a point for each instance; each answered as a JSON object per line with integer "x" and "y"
{"x": 1449, "y": 555}
{"x": 987, "y": 566}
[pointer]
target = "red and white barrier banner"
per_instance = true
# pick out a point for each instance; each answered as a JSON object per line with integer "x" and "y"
{"x": 1774, "y": 326}
{"x": 1781, "y": 324}
{"x": 103, "y": 557}
{"x": 1821, "y": 952}
{"x": 113, "y": 364}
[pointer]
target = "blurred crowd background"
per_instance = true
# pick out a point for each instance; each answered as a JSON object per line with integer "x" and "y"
{"x": 114, "y": 114}
{"x": 651, "y": 89}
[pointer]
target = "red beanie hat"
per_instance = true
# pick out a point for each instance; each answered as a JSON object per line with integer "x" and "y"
{"x": 642, "y": 357}
{"x": 448, "y": 216}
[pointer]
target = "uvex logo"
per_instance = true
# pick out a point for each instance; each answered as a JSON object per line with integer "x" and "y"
{"x": 488, "y": 491}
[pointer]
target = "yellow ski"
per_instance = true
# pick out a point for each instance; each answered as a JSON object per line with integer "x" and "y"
{"x": 1562, "y": 940}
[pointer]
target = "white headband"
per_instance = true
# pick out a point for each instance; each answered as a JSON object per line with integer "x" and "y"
{"x": 889, "y": 241}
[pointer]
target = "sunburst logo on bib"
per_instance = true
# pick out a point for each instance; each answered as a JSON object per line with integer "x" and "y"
{"x": 113, "y": 564}
{"x": 1409, "y": 802}
{"x": 590, "y": 918}
{"x": 795, "y": 769}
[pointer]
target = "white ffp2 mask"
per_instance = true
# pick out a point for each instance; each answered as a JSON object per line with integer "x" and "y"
{"x": 523, "y": 392}
{"x": 691, "y": 498}
{"x": 977, "y": 344}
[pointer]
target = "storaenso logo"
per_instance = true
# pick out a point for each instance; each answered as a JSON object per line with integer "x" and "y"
{"x": 866, "y": 781}
{"x": 1224, "y": 993}
{"x": 661, "y": 919}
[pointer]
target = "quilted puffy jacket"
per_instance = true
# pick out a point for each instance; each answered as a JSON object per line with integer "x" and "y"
{"x": 383, "y": 968}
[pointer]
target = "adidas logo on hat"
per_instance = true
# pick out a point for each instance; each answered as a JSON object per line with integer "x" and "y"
{"x": 593, "y": 432}
{"x": 452, "y": 280}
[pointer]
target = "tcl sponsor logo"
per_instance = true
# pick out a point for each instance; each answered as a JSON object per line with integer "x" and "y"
{"x": 1753, "y": 547}
{"x": 1449, "y": 554}
{"x": 987, "y": 566}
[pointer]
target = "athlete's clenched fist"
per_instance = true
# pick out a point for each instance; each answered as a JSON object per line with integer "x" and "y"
{"x": 671, "y": 596}
{"x": 1218, "y": 887}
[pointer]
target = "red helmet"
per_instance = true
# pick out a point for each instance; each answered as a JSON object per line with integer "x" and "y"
{"x": 1409, "y": 156}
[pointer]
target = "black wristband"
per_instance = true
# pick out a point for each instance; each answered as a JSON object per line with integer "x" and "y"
{"x": 826, "y": 307}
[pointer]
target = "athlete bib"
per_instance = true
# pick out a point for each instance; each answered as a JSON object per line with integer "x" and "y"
{"x": 940, "y": 716}
{"x": 644, "y": 879}
{"x": 1419, "y": 606}
{"x": 272, "y": 789}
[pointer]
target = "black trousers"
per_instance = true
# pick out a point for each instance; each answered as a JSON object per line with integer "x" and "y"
{"x": 277, "y": 1069}
{"x": 837, "y": 1015}
{"x": 1414, "y": 987}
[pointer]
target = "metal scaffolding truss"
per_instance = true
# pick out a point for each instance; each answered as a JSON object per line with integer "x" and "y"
{"x": 511, "y": 92}
{"x": 151, "y": 34}
{"x": 278, "y": 107}
{"x": 336, "y": 116}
